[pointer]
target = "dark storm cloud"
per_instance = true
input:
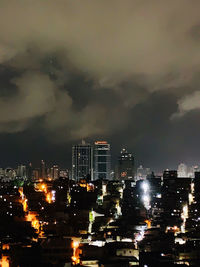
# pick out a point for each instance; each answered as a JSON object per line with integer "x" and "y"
{"x": 91, "y": 69}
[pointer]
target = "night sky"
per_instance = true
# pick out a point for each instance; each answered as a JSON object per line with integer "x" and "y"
{"x": 122, "y": 71}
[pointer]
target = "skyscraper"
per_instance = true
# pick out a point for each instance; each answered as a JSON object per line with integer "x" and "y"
{"x": 29, "y": 171}
{"x": 142, "y": 172}
{"x": 82, "y": 161}
{"x": 42, "y": 170}
{"x": 102, "y": 160}
{"x": 21, "y": 171}
{"x": 182, "y": 170}
{"x": 54, "y": 172}
{"x": 125, "y": 165}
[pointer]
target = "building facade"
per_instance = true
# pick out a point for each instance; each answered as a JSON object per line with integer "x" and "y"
{"x": 102, "y": 160}
{"x": 82, "y": 161}
{"x": 42, "y": 169}
{"x": 125, "y": 165}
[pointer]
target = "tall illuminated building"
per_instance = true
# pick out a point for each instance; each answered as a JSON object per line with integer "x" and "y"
{"x": 142, "y": 172}
{"x": 21, "y": 171}
{"x": 182, "y": 170}
{"x": 125, "y": 165}
{"x": 54, "y": 172}
{"x": 36, "y": 174}
{"x": 102, "y": 160}
{"x": 82, "y": 161}
{"x": 64, "y": 173}
{"x": 42, "y": 170}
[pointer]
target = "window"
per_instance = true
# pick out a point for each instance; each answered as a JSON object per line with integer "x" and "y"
{"x": 102, "y": 167}
{"x": 102, "y": 159}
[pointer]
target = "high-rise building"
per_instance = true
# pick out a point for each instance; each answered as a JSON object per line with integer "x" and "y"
{"x": 102, "y": 160}
{"x": 125, "y": 165}
{"x": 42, "y": 170}
{"x": 64, "y": 173}
{"x": 2, "y": 172}
{"x": 36, "y": 174}
{"x": 142, "y": 172}
{"x": 175, "y": 196}
{"x": 82, "y": 161}
{"x": 182, "y": 170}
{"x": 29, "y": 171}
{"x": 10, "y": 173}
{"x": 54, "y": 172}
{"x": 21, "y": 171}
{"x": 192, "y": 170}
{"x": 170, "y": 174}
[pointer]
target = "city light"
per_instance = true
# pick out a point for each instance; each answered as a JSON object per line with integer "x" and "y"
{"x": 148, "y": 222}
{"x": 145, "y": 195}
{"x": 32, "y": 217}
{"x": 146, "y": 198}
{"x": 53, "y": 198}
{"x": 23, "y": 199}
{"x": 75, "y": 244}
{"x": 75, "y": 257}
{"x": 5, "y": 261}
{"x": 139, "y": 236}
{"x": 146, "y": 201}
{"x": 43, "y": 188}
{"x": 184, "y": 216}
{"x": 145, "y": 187}
{"x": 49, "y": 197}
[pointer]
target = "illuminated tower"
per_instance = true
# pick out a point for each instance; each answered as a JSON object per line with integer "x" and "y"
{"x": 21, "y": 171}
{"x": 42, "y": 170}
{"x": 125, "y": 165}
{"x": 82, "y": 161}
{"x": 54, "y": 172}
{"x": 102, "y": 160}
{"x": 182, "y": 170}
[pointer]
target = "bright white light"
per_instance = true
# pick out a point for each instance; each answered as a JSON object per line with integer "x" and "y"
{"x": 146, "y": 201}
{"x": 185, "y": 210}
{"x": 75, "y": 244}
{"x": 139, "y": 238}
{"x": 97, "y": 243}
{"x": 146, "y": 198}
{"x": 191, "y": 198}
{"x": 158, "y": 195}
{"x": 184, "y": 216}
{"x": 145, "y": 186}
{"x": 53, "y": 197}
{"x": 127, "y": 240}
{"x": 180, "y": 240}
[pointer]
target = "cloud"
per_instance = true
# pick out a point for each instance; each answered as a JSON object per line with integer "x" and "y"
{"x": 131, "y": 48}
{"x": 107, "y": 38}
{"x": 35, "y": 97}
{"x": 187, "y": 103}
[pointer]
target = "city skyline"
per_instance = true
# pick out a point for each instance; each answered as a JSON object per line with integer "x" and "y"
{"x": 67, "y": 164}
{"x": 85, "y": 160}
